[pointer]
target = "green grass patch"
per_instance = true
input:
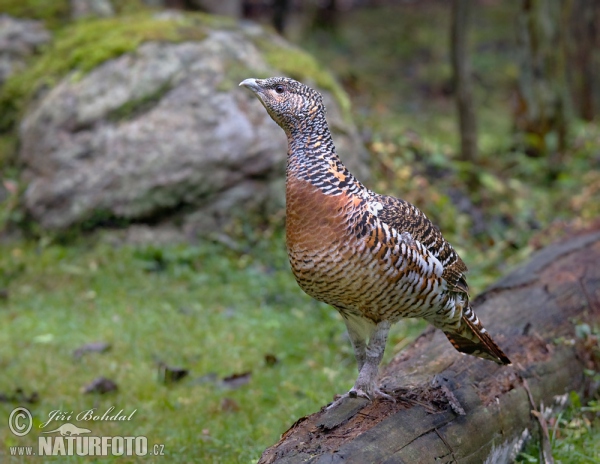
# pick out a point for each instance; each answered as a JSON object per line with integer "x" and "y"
{"x": 205, "y": 308}
{"x": 574, "y": 435}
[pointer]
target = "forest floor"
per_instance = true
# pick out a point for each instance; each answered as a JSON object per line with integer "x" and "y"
{"x": 257, "y": 352}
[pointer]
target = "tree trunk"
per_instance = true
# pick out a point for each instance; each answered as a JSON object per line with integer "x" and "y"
{"x": 585, "y": 24}
{"x": 462, "y": 80}
{"x": 326, "y": 16}
{"x": 231, "y": 8}
{"x": 281, "y": 10}
{"x": 542, "y": 85}
{"x": 455, "y": 408}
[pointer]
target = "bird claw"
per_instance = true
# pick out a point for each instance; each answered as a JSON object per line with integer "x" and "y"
{"x": 383, "y": 396}
{"x": 360, "y": 393}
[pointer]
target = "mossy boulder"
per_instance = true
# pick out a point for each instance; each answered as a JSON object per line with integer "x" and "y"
{"x": 140, "y": 119}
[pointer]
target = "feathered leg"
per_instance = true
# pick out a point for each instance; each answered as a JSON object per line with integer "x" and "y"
{"x": 359, "y": 330}
{"x": 368, "y": 356}
{"x": 366, "y": 384}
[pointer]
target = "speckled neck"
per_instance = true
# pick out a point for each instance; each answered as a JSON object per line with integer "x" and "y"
{"x": 312, "y": 157}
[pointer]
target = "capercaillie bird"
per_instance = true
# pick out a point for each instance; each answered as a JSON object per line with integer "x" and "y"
{"x": 374, "y": 258}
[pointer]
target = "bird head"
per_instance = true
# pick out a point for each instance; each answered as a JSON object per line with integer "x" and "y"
{"x": 289, "y": 103}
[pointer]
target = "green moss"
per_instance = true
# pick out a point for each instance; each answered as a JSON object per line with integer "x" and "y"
{"x": 53, "y": 13}
{"x": 56, "y": 13}
{"x": 8, "y": 149}
{"x": 299, "y": 65}
{"x": 84, "y": 45}
{"x": 132, "y": 108}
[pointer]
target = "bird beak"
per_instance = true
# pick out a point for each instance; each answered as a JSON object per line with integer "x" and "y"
{"x": 251, "y": 84}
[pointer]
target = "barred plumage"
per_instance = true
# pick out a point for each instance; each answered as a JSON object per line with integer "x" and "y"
{"x": 375, "y": 258}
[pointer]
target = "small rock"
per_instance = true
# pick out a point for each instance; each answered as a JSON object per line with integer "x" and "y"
{"x": 95, "y": 347}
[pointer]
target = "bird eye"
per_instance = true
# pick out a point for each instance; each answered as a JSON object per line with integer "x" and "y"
{"x": 279, "y": 89}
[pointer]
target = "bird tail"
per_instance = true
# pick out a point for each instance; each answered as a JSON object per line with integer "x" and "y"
{"x": 472, "y": 338}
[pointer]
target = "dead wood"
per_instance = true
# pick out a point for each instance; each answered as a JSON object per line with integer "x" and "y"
{"x": 456, "y": 408}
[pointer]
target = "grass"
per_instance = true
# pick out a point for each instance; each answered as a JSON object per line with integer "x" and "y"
{"x": 574, "y": 435}
{"x": 205, "y": 308}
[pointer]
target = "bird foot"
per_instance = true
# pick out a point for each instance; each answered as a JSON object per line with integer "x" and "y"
{"x": 360, "y": 393}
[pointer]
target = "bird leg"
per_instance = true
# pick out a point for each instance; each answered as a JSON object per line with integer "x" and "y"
{"x": 357, "y": 329}
{"x": 366, "y": 383}
{"x": 368, "y": 359}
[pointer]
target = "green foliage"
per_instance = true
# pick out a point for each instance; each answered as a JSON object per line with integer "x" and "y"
{"x": 8, "y": 147}
{"x": 53, "y": 13}
{"x": 574, "y": 435}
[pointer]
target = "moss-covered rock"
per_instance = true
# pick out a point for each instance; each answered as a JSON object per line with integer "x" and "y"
{"x": 57, "y": 13}
{"x": 140, "y": 117}
{"x": 83, "y": 45}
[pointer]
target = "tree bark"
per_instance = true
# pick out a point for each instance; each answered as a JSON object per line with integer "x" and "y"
{"x": 462, "y": 80}
{"x": 455, "y": 408}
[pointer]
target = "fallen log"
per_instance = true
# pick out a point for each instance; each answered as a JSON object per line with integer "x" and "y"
{"x": 455, "y": 408}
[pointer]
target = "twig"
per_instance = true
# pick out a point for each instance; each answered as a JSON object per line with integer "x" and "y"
{"x": 545, "y": 445}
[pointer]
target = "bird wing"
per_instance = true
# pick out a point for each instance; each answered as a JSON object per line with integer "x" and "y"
{"x": 405, "y": 217}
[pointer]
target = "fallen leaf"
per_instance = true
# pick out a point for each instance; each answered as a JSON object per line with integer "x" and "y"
{"x": 100, "y": 385}
{"x": 237, "y": 380}
{"x": 44, "y": 338}
{"x": 271, "y": 359}
{"x": 19, "y": 396}
{"x": 170, "y": 374}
